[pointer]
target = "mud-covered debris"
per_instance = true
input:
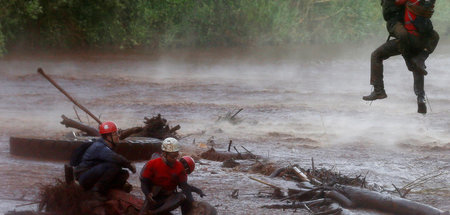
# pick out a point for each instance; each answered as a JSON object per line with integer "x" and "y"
{"x": 230, "y": 163}
{"x": 214, "y": 155}
{"x": 277, "y": 194}
{"x": 202, "y": 208}
{"x": 328, "y": 176}
{"x": 156, "y": 127}
{"x": 231, "y": 116}
{"x": 235, "y": 194}
{"x": 263, "y": 168}
{"x": 70, "y": 199}
{"x": 316, "y": 198}
{"x": 319, "y": 176}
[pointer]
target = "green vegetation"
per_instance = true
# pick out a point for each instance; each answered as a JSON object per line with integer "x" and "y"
{"x": 185, "y": 23}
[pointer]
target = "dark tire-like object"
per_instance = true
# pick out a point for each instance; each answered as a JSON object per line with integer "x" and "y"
{"x": 137, "y": 148}
{"x": 202, "y": 208}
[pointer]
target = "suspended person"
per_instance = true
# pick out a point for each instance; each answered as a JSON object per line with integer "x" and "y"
{"x": 408, "y": 21}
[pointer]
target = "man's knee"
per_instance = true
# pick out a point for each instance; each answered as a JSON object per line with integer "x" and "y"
{"x": 376, "y": 56}
{"x": 431, "y": 42}
{"x": 109, "y": 168}
{"x": 112, "y": 166}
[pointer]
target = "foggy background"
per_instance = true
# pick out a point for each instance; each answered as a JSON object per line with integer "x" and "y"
{"x": 298, "y": 103}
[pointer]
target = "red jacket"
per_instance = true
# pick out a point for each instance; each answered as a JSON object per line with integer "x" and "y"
{"x": 409, "y": 16}
{"x": 160, "y": 174}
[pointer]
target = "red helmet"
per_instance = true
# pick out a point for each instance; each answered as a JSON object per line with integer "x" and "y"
{"x": 107, "y": 127}
{"x": 188, "y": 163}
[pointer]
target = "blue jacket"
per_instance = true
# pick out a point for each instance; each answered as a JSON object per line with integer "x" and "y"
{"x": 99, "y": 152}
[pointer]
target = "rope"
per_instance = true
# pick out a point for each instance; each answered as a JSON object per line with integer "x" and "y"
{"x": 428, "y": 101}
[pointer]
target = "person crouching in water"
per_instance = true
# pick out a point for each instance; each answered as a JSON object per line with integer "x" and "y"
{"x": 100, "y": 168}
{"x": 160, "y": 178}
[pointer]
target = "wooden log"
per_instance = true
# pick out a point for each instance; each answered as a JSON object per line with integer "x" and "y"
{"x": 70, "y": 123}
{"x": 277, "y": 172}
{"x": 130, "y": 131}
{"x": 264, "y": 182}
{"x": 340, "y": 198}
{"x": 174, "y": 129}
{"x": 362, "y": 198}
{"x": 41, "y": 71}
{"x": 222, "y": 156}
{"x": 300, "y": 174}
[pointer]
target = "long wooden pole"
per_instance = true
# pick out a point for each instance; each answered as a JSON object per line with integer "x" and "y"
{"x": 263, "y": 182}
{"x": 40, "y": 71}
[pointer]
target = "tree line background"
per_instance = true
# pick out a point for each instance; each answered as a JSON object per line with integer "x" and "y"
{"x": 149, "y": 24}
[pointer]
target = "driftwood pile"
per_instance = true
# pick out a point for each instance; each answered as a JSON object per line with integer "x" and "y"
{"x": 320, "y": 191}
{"x": 325, "y": 192}
{"x": 214, "y": 155}
{"x": 156, "y": 127}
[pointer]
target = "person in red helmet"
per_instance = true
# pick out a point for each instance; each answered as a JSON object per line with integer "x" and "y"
{"x": 188, "y": 163}
{"x": 100, "y": 168}
{"x": 160, "y": 178}
{"x": 189, "y": 167}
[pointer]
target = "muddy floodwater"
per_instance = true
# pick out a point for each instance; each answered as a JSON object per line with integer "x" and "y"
{"x": 298, "y": 103}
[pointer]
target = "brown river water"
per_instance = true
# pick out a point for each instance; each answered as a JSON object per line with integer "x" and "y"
{"x": 298, "y": 103}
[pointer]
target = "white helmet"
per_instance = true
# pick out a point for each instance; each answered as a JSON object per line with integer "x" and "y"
{"x": 170, "y": 144}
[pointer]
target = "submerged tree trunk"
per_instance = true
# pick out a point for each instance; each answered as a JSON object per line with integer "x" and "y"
{"x": 70, "y": 123}
{"x": 377, "y": 201}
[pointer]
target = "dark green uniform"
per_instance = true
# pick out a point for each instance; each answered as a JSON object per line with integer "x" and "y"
{"x": 415, "y": 50}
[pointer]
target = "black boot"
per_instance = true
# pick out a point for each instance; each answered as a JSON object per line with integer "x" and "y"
{"x": 421, "y": 105}
{"x": 420, "y": 92}
{"x": 377, "y": 93}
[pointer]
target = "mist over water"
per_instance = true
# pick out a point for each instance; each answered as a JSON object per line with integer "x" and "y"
{"x": 306, "y": 94}
{"x": 290, "y": 96}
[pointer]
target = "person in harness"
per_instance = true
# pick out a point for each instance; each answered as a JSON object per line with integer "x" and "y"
{"x": 408, "y": 21}
{"x": 100, "y": 168}
{"x": 160, "y": 178}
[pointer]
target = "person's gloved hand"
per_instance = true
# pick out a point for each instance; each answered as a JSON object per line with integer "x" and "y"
{"x": 132, "y": 168}
{"x": 150, "y": 198}
{"x": 200, "y": 193}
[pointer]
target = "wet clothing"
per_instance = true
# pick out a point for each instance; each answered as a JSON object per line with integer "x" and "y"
{"x": 417, "y": 15}
{"x": 387, "y": 50}
{"x": 156, "y": 173}
{"x": 99, "y": 152}
{"x": 103, "y": 177}
{"x": 409, "y": 16}
{"x": 414, "y": 47}
{"x": 392, "y": 14}
{"x": 101, "y": 167}
{"x": 161, "y": 174}
{"x": 421, "y": 36}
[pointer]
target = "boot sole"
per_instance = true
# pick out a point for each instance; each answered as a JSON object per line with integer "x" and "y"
{"x": 421, "y": 108}
{"x": 373, "y": 99}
